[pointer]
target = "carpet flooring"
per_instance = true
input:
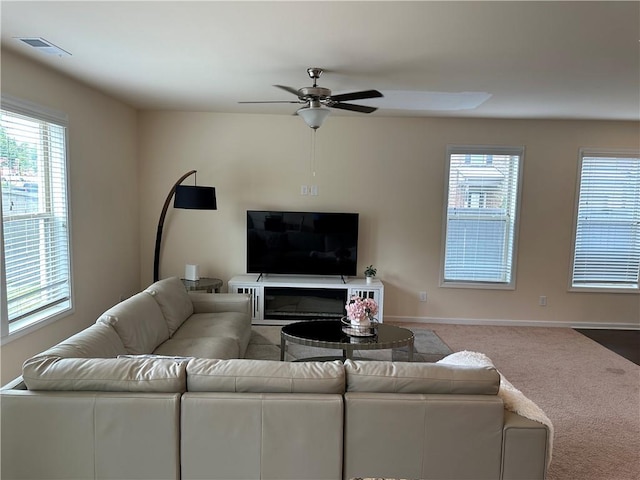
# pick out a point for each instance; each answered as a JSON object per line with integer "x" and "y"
{"x": 591, "y": 394}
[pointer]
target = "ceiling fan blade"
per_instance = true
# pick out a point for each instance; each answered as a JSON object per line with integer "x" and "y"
{"x": 356, "y": 95}
{"x": 425, "y": 101}
{"x": 352, "y": 107}
{"x": 274, "y": 101}
{"x": 288, "y": 89}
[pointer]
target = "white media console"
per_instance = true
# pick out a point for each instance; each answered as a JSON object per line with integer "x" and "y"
{"x": 282, "y": 299}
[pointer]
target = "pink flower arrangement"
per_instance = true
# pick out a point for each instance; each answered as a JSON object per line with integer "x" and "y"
{"x": 361, "y": 310}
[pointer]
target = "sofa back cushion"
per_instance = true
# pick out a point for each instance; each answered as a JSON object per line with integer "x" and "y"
{"x": 105, "y": 374}
{"x": 91, "y": 435}
{"x": 139, "y": 323}
{"x": 270, "y": 436}
{"x": 427, "y": 436}
{"x": 402, "y": 377}
{"x": 96, "y": 341}
{"x": 174, "y": 301}
{"x": 264, "y": 376}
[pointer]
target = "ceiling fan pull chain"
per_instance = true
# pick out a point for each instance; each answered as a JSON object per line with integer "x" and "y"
{"x": 313, "y": 152}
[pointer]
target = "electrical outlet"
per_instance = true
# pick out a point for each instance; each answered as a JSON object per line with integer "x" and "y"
{"x": 542, "y": 301}
{"x": 304, "y": 190}
{"x": 423, "y": 296}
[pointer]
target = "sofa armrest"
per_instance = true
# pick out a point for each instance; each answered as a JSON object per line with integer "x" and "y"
{"x": 220, "y": 302}
{"x": 524, "y": 448}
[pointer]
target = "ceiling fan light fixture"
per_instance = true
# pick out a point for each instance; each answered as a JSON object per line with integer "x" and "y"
{"x": 314, "y": 116}
{"x": 319, "y": 100}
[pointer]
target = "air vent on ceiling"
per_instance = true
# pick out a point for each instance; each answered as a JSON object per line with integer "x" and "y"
{"x": 44, "y": 46}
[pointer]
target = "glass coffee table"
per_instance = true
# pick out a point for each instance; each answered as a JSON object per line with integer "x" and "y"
{"x": 329, "y": 334}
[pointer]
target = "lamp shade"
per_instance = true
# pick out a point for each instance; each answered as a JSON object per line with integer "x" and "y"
{"x": 195, "y": 197}
{"x": 314, "y": 116}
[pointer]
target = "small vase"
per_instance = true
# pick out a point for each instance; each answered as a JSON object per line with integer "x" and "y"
{"x": 366, "y": 327}
{"x": 365, "y": 322}
{"x": 369, "y": 279}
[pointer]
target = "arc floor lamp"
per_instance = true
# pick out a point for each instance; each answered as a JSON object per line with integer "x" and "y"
{"x": 186, "y": 196}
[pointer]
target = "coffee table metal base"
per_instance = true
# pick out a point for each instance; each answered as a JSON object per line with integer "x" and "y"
{"x": 329, "y": 334}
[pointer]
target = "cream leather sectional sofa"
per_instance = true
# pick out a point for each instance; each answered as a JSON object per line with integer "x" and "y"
{"x": 157, "y": 389}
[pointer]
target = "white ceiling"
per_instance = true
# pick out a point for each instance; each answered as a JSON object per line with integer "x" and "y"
{"x": 536, "y": 59}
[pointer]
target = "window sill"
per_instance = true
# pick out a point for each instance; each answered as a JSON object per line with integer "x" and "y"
{"x": 605, "y": 289}
{"x": 478, "y": 285}
{"x": 35, "y": 322}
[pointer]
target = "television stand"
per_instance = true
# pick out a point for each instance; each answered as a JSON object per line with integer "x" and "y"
{"x": 260, "y": 276}
{"x": 282, "y": 299}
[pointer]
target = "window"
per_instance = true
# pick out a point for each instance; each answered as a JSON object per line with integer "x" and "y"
{"x": 481, "y": 216}
{"x": 607, "y": 227}
{"x": 35, "y": 268}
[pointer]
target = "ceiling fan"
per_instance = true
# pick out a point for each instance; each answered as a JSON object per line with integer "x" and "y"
{"x": 318, "y": 100}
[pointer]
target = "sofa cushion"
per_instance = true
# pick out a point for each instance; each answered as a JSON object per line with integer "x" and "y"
{"x": 213, "y": 347}
{"x": 403, "y": 377}
{"x": 106, "y": 375}
{"x": 139, "y": 323}
{"x": 264, "y": 376}
{"x": 174, "y": 301}
{"x": 96, "y": 341}
{"x": 226, "y": 324}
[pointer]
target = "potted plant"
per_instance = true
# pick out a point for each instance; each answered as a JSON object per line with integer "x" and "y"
{"x": 370, "y": 272}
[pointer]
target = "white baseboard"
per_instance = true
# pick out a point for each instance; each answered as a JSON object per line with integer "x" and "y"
{"x": 512, "y": 323}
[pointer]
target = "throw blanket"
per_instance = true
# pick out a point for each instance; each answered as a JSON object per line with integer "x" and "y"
{"x": 514, "y": 400}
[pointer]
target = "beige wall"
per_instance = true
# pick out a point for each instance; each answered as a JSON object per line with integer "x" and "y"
{"x": 104, "y": 199}
{"x": 391, "y": 171}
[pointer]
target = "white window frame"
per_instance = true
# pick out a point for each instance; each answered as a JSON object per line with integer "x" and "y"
{"x": 603, "y": 286}
{"x": 34, "y": 322}
{"x": 482, "y": 150}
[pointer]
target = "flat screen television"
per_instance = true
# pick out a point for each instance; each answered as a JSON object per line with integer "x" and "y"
{"x": 302, "y": 243}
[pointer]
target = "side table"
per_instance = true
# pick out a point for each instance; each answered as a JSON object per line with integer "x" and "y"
{"x": 209, "y": 284}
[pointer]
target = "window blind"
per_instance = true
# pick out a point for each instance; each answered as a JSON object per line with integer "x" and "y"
{"x": 607, "y": 234}
{"x": 36, "y": 250}
{"x": 481, "y": 215}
